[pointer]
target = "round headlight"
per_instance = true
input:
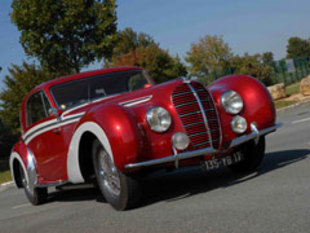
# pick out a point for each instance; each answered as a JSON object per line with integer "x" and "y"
{"x": 232, "y": 102}
{"x": 180, "y": 141}
{"x": 158, "y": 119}
{"x": 239, "y": 124}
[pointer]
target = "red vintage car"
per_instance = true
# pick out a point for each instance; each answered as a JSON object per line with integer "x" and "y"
{"x": 116, "y": 124}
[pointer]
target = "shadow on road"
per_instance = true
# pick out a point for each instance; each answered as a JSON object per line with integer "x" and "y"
{"x": 189, "y": 181}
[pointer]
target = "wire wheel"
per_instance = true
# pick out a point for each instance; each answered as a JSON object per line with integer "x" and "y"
{"x": 120, "y": 190}
{"x": 109, "y": 175}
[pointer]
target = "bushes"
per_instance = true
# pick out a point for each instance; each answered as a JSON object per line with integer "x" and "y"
{"x": 7, "y": 140}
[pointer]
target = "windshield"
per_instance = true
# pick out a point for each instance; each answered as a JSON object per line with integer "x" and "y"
{"x": 77, "y": 92}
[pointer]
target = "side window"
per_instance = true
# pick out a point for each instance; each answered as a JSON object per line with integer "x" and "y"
{"x": 37, "y": 107}
{"x": 136, "y": 82}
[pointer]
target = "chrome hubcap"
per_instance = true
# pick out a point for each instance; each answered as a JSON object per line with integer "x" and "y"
{"x": 26, "y": 183}
{"x": 109, "y": 174}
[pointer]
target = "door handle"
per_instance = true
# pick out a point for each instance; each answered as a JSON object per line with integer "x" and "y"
{"x": 57, "y": 130}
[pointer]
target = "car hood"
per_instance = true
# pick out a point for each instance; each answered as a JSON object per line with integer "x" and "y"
{"x": 159, "y": 94}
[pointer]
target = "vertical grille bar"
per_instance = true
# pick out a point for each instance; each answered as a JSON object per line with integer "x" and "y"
{"x": 202, "y": 112}
{"x": 198, "y": 114}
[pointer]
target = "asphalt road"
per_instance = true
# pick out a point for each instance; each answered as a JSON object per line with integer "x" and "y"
{"x": 276, "y": 199}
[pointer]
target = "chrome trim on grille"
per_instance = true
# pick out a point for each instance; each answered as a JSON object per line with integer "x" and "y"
{"x": 196, "y": 134}
{"x": 185, "y": 104}
{"x": 189, "y": 114}
{"x": 206, "y": 151}
{"x": 183, "y": 93}
{"x": 195, "y": 123}
{"x": 203, "y": 113}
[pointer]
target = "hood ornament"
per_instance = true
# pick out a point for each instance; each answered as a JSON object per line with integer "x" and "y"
{"x": 186, "y": 79}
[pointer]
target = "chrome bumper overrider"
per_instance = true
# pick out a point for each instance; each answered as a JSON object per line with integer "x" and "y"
{"x": 209, "y": 150}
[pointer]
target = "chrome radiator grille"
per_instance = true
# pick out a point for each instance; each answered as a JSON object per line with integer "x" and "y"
{"x": 198, "y": 114}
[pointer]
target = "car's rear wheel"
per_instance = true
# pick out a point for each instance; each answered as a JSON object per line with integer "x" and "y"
{"x": 119, "y": 189}
{"x": 253, "y": 154}
{"x": 36, "y": 196}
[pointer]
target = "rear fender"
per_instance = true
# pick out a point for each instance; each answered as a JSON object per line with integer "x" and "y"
{"x": 26, "y": 160}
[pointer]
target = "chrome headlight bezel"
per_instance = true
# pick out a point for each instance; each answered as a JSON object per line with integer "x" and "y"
{"x": 180, "y": 141}
{"x": 239, "y": 124}
{"x": 232, "y": 102}
{"x": 158, "y": 119}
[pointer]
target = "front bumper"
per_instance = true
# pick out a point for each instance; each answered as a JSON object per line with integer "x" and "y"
{"x": 209, "y": 150}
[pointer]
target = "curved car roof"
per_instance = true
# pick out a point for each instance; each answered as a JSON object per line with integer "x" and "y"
{"x": 81, "y": 75}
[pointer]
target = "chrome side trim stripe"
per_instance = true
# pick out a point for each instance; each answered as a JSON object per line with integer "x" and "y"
{"x": 50, "y": 125}
{"x": 205, "y": 151}
{"x": 136, "y": 101}
{"x": 37, "y": 127}
{"x": 28, "y": 135}
{"x": 53, "y": 126}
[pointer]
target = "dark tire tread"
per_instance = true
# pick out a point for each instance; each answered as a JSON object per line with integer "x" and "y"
{"x": 253, "y": 157}
{"x": 39, "y": 195}
{"x": 130, "y": 193}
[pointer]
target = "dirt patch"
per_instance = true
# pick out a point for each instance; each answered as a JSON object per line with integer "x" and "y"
{"x": 297, "y": 97}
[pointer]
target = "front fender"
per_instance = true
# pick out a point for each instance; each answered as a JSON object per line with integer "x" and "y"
{"x": 124, "y": 136}
{"x": 258, "y": 104}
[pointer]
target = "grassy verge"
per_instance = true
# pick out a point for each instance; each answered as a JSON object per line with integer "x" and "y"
{"x": 283, "y": 103}
{"x": 5, "y": 174}
{"x": 292, "y": 89}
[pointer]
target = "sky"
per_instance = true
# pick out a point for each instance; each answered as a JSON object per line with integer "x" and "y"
{"x": 253, "y": 26}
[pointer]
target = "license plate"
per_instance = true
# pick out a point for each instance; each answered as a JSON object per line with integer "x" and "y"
{"x": 223, "y": 162}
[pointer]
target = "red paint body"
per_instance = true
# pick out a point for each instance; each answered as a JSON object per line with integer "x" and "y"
{"x": 128, "y": 133}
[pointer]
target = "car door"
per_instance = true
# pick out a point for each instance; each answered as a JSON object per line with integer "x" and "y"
{"x": 44, "y": 139}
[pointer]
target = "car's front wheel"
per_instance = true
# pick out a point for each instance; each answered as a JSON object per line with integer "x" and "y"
{"x": 253, "y": 154}
{"x": 119, "y": 189}
{"x": 36, "y": 196}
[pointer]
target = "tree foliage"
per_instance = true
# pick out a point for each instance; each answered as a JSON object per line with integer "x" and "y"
{"x": 210, "y": 54}
{"x": 19, "y": 81}
{"x": 298, "y": 47}
{"x": 252, "y": 65}
{"x": 156, "y": 61}
{"x": 7, "y": 140}
{"x": 267, "y": 57}
{"x": 212, "y": 58}
{"x": 140, "y": 49}
{"x": 129, "y": 40}
{"x": 66, "y": 35}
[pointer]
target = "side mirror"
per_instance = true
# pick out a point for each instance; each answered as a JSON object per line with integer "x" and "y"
{"x": 53, "y": 112}
{"x": 147, "y": 85}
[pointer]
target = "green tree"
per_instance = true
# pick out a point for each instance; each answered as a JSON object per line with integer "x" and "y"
{"x": 210, "y": 54}
{"x": 7, "y": 140}
{"x": 66, "y": 35}
{"x": 267, "y": 57}
{"x": 252, "y": 65}
{"x": 129, "y": 40}
{"x": 298, "y": 47}
{"x": 156, "y": 61}
{"x": 19, "y": 81}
